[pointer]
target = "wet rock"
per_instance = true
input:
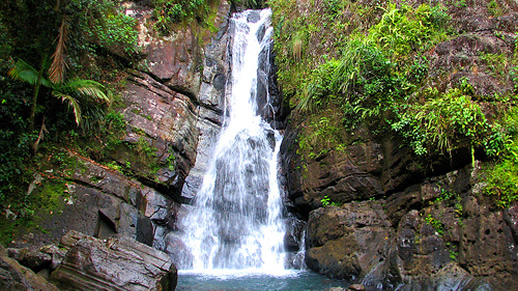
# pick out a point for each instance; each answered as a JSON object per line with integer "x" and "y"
{"x": 420, "y": 247}
{"x": 176, "y": 61}
{"x": 295, "y": 261}
{"x": 511, "y": 218}
{"x": 131, "y": 265}
{"x": 452, "y": 277}
{"x": 270, "y": 105}
{"x": 14, "y": 276}
{"x": 253, "y": 17}
{"x": 486, "y": 246}
{"x": 294, "y": 234}
{"x": 342, "y": 176}
{"x": 211, "y": 106}
{"x": 109, "y": 204}
{"x": 350, "y": 241}
{"x": 178, "y": 251}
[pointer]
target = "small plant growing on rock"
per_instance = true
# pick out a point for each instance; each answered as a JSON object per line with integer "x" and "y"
{"x": 326, "y": 201}
{"x": 435, "y": 223}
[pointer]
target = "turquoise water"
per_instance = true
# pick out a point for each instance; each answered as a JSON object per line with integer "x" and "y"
{"x": 293, "y": 281}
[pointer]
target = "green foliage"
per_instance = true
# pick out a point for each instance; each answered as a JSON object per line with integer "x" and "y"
{"x": 444, "y": 123}
{"x": 435, "y": 223}
{"x": 451, "y": 199}
{"x": 502, "y": 181}
{"x": 171, "y": 160}
{"x": 343, "y": 64}
{"x": 49, "y": 196}
{"x": 445, "y": 196}
{"x": 102, "y": 22}
{"x": 249, "y": 4}
{"x": 73, "y": 91}
{"x": 305, "y": 40}
{"x": 114, "y": 166}
{"x": 117, "y": 30}
{"x": 494, "y": 8}
{"x": 405, "y": 29}
{"x": 169, "y": 12}
{"x": 16, "y": 151}
{"x": 115, "y": 122}
{"x": 324, "y": 134}
{"x": 374, "y": 74}
{"x": 326, "y": 201}
{"x": 5, "y": 45}
{"x": 459, "y": 3}
{"x": 143, "y": 148}
{"x": 453, "y": 254}
{"x": 498, "y": 64}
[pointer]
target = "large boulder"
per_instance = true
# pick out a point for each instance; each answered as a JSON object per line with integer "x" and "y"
{"x": 116, "y": 264}
{"x": 352, "y": 241}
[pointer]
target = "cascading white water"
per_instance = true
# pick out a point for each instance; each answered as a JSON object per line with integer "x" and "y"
{"x": 236, "y": 222}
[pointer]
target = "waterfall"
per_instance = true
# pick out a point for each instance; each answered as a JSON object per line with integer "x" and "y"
{"x": 235, "y": 221}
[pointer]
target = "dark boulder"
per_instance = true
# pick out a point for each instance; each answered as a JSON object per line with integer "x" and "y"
{"x": 115, "y": 264}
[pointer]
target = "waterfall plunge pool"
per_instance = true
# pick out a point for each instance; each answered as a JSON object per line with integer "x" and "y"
{"x": 248, "y": 280}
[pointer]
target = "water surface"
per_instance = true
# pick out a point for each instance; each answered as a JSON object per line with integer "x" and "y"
{"x": 248, "y": 281}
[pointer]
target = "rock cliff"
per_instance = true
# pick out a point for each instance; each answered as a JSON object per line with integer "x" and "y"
{"x": 376, "y": 213}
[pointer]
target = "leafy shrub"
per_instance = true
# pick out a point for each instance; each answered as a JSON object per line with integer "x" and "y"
{"x": 16, "y": 150}
{"x": 324, "y": 133}
{"x": 117, "y": 30}
{"x": 443, "y": 123}
{"x": 169, "y": 12}
{"x": 501, "y": 179}
{"x": 369, "y": 73}
{"x": 326, "y": 201}
{"x": 364, "y": 82}
{"x": 402, "y": 30}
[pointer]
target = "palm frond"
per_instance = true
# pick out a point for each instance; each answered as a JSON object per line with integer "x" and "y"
{"x": 58, "y": 67}
{"x": 88, "y": 88}
{"x": 72, "y": 102}
{"x": 24, "y": 72}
